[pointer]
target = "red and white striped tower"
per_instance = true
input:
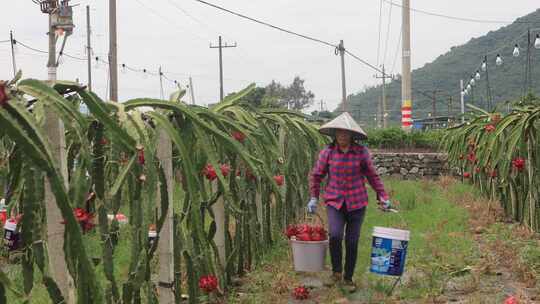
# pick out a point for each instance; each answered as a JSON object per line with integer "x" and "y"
{"x": 406, "y": 81}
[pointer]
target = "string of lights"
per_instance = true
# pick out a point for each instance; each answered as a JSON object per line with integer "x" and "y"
{"x": 476, "y": 75}
{"x": 98, "y": 59}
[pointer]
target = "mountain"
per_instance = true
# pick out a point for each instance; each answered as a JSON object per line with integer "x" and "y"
{"x": 444, "y": 73}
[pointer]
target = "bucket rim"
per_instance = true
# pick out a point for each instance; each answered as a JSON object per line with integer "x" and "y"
{"x": 308, "y": 242}
{"x": 392, "y": 233}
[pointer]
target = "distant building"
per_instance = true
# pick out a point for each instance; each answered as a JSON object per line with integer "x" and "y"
{"x": 430, "y": 123}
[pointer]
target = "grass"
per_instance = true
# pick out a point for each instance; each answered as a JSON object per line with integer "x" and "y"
{"x": 440, "y": 245}
{"x": 39, "y": 294}
{"x": 459, "y": 246}
{"x": 445, "y": 249}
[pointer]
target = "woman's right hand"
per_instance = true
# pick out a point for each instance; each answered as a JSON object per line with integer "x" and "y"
{"x": 312, "y": 205}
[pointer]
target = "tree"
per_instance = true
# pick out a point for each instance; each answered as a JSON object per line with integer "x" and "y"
{"x": 297, "y": 97}
{"x": 256, "y": 97}
{"x": 275, "y": 95}
{"x": 294, "y": 97}
{"x": 324, "y": 114}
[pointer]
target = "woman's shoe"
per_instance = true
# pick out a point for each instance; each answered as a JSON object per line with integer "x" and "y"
{"x": 332, "y": 279}
{"x": 349, "y": 286}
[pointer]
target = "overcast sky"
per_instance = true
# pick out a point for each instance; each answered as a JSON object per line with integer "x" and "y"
{"x": 176, "y": 35}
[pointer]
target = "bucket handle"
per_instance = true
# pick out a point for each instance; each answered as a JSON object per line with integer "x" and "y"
{"x": 313, "y": 217}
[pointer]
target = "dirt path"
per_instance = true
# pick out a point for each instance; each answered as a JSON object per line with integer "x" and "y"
{"x": 500, "y": 271}
{"x": 504, "y": 261}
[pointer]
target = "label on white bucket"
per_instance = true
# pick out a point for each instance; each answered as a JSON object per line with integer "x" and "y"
{"x": 389, "y": 250}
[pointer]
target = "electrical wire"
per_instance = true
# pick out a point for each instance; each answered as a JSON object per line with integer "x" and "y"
{"x": 31, "y": 48}
{"x": 366, "y": 63}
{"x": 387, "y": 32}
{"x": 397, "y": 50}
{"x": 380, "y": 23}
{"x": 45, "y": 52}
{"x": 72, "y": 57}
{"x": 186, "y": 13}
{"x": 178, "y": 7}
{"x": 268, "y": 24}
{"x": 336, "y": 47}
{"x": 456, "y": 17}
{"x": 167, "y": 20}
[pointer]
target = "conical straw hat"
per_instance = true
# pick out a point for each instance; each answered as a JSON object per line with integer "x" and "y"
{"x": 343, "y": 122}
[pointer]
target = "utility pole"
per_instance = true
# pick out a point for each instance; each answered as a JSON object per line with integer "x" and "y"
{"x": 88, "y": 48}
{"x": 219, "y": 207}
{"x": 378, "y": 116}
{"x": 191, "y": 90}
{"x": 220, "y": 46}
{"x": 462, "y": 101}
{"x": 528, "y": 75}
{"x": 406, "y": 81}
{"x": 13, "y": 53}
{"x": 60, "y": 22}
{"x": 341, "y": 49}
{"x": 165, "y": 244}
{"x": 488, "y": 88}
{"x": 384, "y": 107}
{"x": 161, "y": 92}
{"x": 450, "y": 101}
{"x": 113, "y": 52}
{"x": 51, "y": 64}
{"x": 434, "y": 103}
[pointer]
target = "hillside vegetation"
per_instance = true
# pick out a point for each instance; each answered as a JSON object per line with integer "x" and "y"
{"x": 444, "y": 73}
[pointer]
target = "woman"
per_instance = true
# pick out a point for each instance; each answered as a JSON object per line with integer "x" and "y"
{"x": 347, "y": 165}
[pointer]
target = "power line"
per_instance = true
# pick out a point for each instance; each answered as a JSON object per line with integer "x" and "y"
{"x": 456, "y": 17}
{"x": 31, "y": 48}
{"x": 45, "y": 52}
{"x": 397, "y": 50}
{"x": 380, "y": 22}
{"x": 165, "y": 19}
{"x": 72, "y": 57}
{"x": 387, "y": 32}
{"x": 268, "y": 24}
{"x": 178, "y": 7}
{"x": 365, "y": 62}
{"x": 336, "y": 47}
{"x": 197, "y": 20}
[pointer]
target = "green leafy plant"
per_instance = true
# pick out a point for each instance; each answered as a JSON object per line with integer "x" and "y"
{"x": 500, "y": 154}
{"x": 112, "y": 165}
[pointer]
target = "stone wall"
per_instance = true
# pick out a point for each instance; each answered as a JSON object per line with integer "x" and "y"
{"x": 410, "y": 165}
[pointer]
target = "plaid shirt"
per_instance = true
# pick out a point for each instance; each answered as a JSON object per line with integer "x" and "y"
{"x": 346, "y": 177}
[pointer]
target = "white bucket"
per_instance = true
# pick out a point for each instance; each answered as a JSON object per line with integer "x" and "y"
{"x": 389, "y": 251}
{"x": 309, "y": 256}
